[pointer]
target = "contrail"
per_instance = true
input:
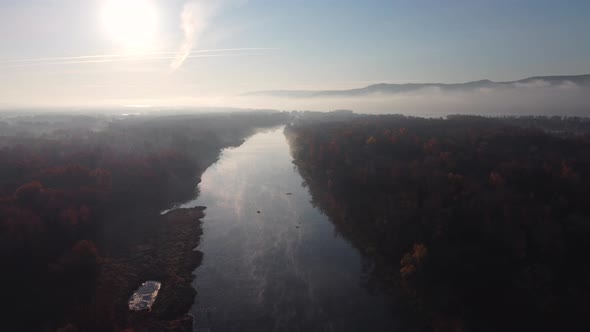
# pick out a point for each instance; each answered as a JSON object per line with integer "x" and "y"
{"x": 106, "y": 60}
{"x": 134, "y": 55}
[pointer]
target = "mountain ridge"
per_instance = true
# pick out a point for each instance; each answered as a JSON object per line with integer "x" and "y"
{"x": 393, "y": 88}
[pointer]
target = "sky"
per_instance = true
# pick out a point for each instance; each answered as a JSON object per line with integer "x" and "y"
{"x": 197, "y": 52}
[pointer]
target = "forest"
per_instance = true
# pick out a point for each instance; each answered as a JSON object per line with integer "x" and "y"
{"x": 80, "y": 223}
{"x": 476, "y": 223}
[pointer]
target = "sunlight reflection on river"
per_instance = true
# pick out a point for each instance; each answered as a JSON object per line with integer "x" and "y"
{"x": 271, "y": 260}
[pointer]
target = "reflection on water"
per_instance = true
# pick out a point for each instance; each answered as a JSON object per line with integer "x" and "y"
{"x": 271, "y": 260}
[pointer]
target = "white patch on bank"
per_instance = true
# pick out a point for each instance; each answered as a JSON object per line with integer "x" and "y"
{"x": 145, "y": 296}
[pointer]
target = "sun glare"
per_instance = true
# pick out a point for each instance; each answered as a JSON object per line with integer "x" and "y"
{"x": 131, "y": 23}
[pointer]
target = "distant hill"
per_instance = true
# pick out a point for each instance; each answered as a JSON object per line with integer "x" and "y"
{"x": 386, "y": 88}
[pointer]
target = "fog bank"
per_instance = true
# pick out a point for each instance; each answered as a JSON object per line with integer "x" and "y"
{"x": 522, "y": 100}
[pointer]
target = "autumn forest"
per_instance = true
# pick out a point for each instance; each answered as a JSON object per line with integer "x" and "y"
{"x": 463, "y": 223}
{"x": 480, "y": 224}
{"x": 80, "y": 225}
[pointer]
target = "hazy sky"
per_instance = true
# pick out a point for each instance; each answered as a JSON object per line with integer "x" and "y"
{"x": 52, "y": 52}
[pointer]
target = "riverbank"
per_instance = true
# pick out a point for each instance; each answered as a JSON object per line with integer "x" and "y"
{"x": 162, "y": 247}
{"x": 168, "y": 257}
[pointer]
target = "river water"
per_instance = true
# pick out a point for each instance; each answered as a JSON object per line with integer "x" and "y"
{"x": 273, "y": 262}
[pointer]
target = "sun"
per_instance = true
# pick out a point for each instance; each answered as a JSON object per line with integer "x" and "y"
{"x": 131, "y": 23}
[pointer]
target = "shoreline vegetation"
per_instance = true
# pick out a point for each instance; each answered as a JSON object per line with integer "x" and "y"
{"x": 468, "y": 223}
{"x": 80, "y": 215}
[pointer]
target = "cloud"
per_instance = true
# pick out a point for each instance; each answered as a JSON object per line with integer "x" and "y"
{"x": 194, "y": 19}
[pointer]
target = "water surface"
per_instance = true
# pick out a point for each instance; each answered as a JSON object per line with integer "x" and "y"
{"x": 271, "y": 260}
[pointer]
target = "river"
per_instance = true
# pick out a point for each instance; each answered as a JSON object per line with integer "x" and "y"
{"x": 271, "y": 260}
